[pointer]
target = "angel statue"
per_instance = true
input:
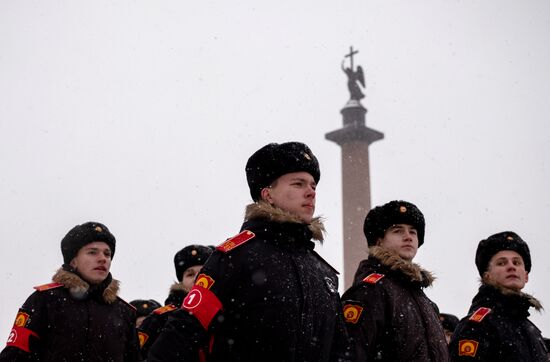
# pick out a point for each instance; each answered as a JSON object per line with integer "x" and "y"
{"x": 354, "y": 77}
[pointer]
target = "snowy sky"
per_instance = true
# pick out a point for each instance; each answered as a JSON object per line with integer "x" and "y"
{"x": 142, "y": 114}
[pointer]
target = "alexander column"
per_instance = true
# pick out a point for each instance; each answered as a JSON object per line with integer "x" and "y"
{"x": 354, "y": 138}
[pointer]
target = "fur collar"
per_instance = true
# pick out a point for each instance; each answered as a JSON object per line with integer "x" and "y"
{"x": 178, "y": 287}
{"x": 410, "y": 270}
{"x": 264, "y": 210}
{"x": 79, "y": 288}
{"x": 533, "y": 302}
{"x": 176, "y": 294}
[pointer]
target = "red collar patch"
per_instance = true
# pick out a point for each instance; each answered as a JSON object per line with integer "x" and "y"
{"x": 48, "y": 286}
{"x": 235, "y": 241}
{"x": 467, "y": 347}
{"x": 352, "y": 313}
{"x": 479, "y": 314}
{"x": 373, "y": 278}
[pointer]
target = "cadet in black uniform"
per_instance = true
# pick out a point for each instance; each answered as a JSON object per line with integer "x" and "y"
{"x": 389, "y": 318}
{"x": 144, "y": 307}
{"x": 449, "y": 323}
{"x": 497, "y": 328}
{"x": 265, "y": 294}
{"x": 188, "y": 263}
{"x": 79, "y": 316}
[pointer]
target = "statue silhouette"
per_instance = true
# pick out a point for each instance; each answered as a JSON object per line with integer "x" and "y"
{"x": 355, "y": 77}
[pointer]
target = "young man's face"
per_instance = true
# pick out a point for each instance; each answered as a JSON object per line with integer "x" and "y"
{"x": 93, "y": 262}
{"x": 293, "y": 192}
{"x": 506, "y": 269}
{"x": 448, "y": 335}
{"x": 402, "y": 239}
{"x": 189, "y": 276}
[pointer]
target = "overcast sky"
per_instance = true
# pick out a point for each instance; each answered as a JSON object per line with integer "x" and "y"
{"x": 142, "y": 114}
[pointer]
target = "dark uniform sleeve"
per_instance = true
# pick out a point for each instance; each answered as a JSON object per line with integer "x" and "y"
{"x": 364, "y": 313}
{"x": 341, "y": 350}
{"x": 471, "y": 341}
{"x": 131, "y": 353}
{"x": 180, "y": 339}
{"x": 24, "y": 340}
{"x": 187, "y": 330}
{"x": 149, "y": 331}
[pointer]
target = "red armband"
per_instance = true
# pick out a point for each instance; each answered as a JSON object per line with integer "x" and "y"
{"x": 203, "y": 304}
{"x": 19, "y": 337}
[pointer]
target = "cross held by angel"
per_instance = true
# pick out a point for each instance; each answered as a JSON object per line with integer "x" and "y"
{"x": 355, "y": 77}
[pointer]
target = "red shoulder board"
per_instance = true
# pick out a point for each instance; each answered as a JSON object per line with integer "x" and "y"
{"x": 48, "y": 286}
{"x": 373, "y": 278}
{"x": 166, "y": 308}
{"x": 479, "y": 314}
{"x": 235, "y": 241}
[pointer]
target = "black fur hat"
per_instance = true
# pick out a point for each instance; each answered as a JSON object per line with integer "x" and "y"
{"x": 190, "y": 256}
{"x": 274, "y": 160}
{"x": 448, "y": 321}
{"x": 144, "y": 307}
{"x": 381, "y": 218}
{"x": 506, "y": 240}
{"x": 84, "y": 234}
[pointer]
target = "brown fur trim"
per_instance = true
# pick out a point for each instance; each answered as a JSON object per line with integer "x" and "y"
{"x": 178, "y": 287}
{"x": 412, "y": 270}
{"x": 78, "y": 287}
{"x": 110, "y": 293}
{"x": 71, "y": 281}
{"x": 264, "y": 210}
{"x": 534, "y": 302}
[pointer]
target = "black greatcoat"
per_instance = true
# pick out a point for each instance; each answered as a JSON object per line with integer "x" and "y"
{"x": 502, "y": 334}
{"x": 279, "y": 299}
{"x": 152, "y": 325}
{"x": 390, "y": 318}
{"x": 72, "y": 321}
